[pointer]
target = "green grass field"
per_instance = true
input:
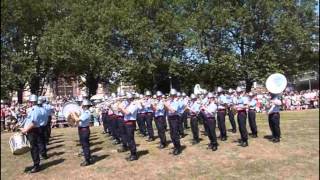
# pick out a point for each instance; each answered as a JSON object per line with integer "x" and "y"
{"x": 295, "y": 157}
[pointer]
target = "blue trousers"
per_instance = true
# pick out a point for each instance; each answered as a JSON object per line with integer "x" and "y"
{"x": 84, "y": 134}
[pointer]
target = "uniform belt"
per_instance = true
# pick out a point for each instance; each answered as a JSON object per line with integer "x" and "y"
{"x": 221, "y": 109}
{"x": 149, "y": 112}
{"x": 274, "y": 113}
{"x": 34, "y": 130}
{"x": 119, "y": 116}
{"x": 252, "y": 109}
{"x": 129, "y": 122}
{"x": 211, "y": 117}
{"x": 239, "y": 111}
{"x": 83, "y": 128}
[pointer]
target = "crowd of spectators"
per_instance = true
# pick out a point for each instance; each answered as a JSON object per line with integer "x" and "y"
{"x": 14, "y": 114}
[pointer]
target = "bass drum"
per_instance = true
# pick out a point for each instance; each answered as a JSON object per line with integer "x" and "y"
{"x": 70, "y": 107}
{"x": 19, "y": 144}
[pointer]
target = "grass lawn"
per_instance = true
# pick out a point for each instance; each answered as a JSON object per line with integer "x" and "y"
{"x": 295, "y": 157}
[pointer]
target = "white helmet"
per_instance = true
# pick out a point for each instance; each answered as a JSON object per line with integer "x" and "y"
{"x": 129, "y": 96}
{"x": 250, "y": 94}
{"x": 148, "y": 93}
{"x": 40, "y": 100}
{"x": 239, "y": 89}
{"x": 159, "y": 93}
{"x": 210, "y": 95}
{"x": 230, "y": 90}
{"x": 33, "y": 98}
{"x": 113, "y": 95}
{"x": 85, "y": 94}
{"x": 205, "y": 91}
{"x": 86, "y": 102}
{"x": 80, "y": 99}
{"x": 121, "y": 94}
{"x": 193, "y": 96}
{"x": 173, "y": 92}
{"x": 184, "y": 94}
{"x": 178, "y": 94}
{"x": 219, "y": 89}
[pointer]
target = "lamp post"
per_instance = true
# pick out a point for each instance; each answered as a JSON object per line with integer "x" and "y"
{"x": 170, "y": 82}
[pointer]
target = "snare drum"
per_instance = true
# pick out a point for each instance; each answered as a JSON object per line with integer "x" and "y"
{"x": 19, "y": 144}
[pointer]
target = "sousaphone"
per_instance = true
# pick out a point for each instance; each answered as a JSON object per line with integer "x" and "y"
{"x": 276, "y": 83}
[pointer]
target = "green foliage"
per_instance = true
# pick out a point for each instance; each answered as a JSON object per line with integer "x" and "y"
{"x": 213, "y": 43}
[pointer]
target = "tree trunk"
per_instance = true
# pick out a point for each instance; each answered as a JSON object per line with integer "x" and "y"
{"x": 34, "y": 85}
{"x": 92, "y": 84}
{"x": 20, "y": 93}
{"x": 249, "y": 84}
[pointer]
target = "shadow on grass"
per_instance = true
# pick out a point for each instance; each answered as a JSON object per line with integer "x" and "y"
{"x": 55, "y": 142}
{"x": 54, "y": 139}
{"x": 54, "y": 147}
{"x": 96, "y": 143}
{"x": 55, "y": 154}
{"x": 268, "y": 137}
{"x": 96, "y": 149}
{"x": 91, "y": 143}
{"x": 183, "y": 147}
{"x": 46, "y": 165}
{"x": 96, "y": 158}
{"x": 58, "y": 135}
{"x": 95, "y": 138}
{"x": 142, "y": 153}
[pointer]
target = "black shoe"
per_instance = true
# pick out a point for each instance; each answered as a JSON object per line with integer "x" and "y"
{"x": 112, "y": 138}
{"x": 176, "y": 152}
{"x": 85, "y": 163}
{"x": 183, "y": 135}
{"x": 195, "y": 141}
{"x": 276, "y": 140}
{"x": 254, "y": 136}
{"x": 162, "y": 146}
{"x": 214, "y": 148}
{"x": 44, "y": 157}
{"x": 244, "y": 144}
{"x": 209, "y": 146}
{"x": 35, "y": 169}
{"x": 150, "y": 139}
{"x": 132, "y": 158}
{"x": 115, "y": 142}
{"x": 122, "y": 149}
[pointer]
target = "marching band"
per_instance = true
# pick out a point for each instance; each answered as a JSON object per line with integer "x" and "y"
{"x": 121, "y": 113}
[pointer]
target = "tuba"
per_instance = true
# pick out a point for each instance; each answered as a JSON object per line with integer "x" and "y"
{"x": 198, "y": 90}
{"x": 276, "y": 83}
